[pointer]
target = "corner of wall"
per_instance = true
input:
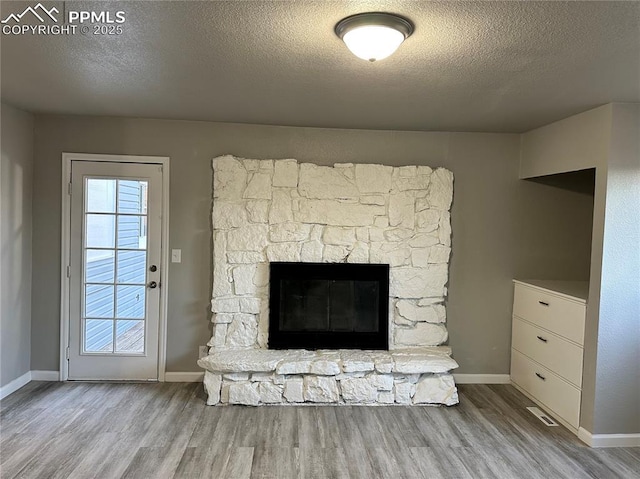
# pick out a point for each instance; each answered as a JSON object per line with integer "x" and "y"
{"x": 521, "y": 138}
{"x": 15, "y": 269}
{"x": 616, "y": 406}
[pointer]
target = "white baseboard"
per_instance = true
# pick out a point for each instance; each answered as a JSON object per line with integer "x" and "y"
{"x": 482, "y": 378}
{"x": 45, "y": 375}
{"x": 14, "y": 385}
{"x": 609, "y": 440}
{"x": 185, "y": 377}
{"x": 195, "y": 377}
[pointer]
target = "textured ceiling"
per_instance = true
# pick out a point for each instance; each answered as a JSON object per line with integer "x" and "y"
{"x": 469, "y": 66}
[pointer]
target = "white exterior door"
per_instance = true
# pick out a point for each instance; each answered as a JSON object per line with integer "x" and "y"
{"x": 114, "y": 285}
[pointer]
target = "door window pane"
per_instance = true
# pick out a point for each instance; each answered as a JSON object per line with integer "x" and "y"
{"x": 98, "y": 301}
{"x": 130, "y": 302}
{"x": 98, "y": 335}
{"x": 101, "y": 196}
{"x": 129, "y": 336}
{"x": 132, "y": 196}
{"x": 100, "y": 266}
{"x": 100, "y": 231}
{"x": 131, "y": 232}
{"x": 132, "y": 267}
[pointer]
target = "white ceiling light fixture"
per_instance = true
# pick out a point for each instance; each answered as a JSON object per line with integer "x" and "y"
{"x": 373, "y": 36}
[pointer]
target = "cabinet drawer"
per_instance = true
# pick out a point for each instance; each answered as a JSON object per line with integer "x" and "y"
{"x": 560, "y": 315}
{"x": 556, "y": 394}
{"x": 555, "y": 353}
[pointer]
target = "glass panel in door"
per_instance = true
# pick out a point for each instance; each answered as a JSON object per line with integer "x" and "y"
{"x": 115, "y": 266}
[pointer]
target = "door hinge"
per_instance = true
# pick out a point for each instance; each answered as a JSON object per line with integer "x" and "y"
{"x": 67, "y": 353}
{"x": 68, "y": 271}
{"x": 69, "y": 189}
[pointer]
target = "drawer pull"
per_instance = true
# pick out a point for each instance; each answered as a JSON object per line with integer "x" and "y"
{"x": 543, "y": 303}
{"x": 541, "y": 339}
{"x": 541, "y": 376}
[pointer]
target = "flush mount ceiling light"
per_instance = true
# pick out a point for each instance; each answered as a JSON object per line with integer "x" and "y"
{"x": 373, "y": 36}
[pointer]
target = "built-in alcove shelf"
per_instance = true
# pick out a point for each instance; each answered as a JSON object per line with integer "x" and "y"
{"x": 576, "y": 290}
{"x": 556, "y": 230}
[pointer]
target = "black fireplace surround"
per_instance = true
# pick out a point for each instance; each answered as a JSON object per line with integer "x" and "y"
{"x": 328, "y": 306}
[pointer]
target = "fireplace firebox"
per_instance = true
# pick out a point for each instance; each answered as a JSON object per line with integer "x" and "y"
{"x": 328, "y": 306}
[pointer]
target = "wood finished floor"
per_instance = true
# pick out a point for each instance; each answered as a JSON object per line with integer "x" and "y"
{"x": 89, "y": 430}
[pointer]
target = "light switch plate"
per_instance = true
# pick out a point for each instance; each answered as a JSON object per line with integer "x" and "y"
{"x": 176, "y": 256}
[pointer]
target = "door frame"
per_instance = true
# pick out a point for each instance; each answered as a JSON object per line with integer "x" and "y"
{"x": 67, "y": 158}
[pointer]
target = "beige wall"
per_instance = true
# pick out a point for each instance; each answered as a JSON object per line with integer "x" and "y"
{"x": 488, "y": 204}
{"x": 15, "y": 230}
{"x": 572, "y": 144}
{"x": 617, "y": 386}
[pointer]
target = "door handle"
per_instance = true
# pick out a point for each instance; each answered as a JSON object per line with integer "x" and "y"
{"x": 541, "y": 339}
{"x": 153, "y": 268}
{"x": 541, "y": 376}
{"x": 153, "y": 285}
{"x": 543, "y": 303}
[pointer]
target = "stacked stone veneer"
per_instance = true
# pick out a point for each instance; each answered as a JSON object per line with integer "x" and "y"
{"x": 282, "y": 210}
{"x": 401, "y": 376}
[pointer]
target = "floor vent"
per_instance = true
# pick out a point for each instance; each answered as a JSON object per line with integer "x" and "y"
{"x": 545, "y": 418}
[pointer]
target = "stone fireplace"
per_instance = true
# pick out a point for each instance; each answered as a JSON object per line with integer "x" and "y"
{"x": 268, "y": 212}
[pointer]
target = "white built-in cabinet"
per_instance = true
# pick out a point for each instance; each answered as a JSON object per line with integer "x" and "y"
{"x": 547, "y": 345}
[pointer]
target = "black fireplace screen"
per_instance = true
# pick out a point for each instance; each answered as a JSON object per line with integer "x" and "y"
{"x": 328, "y": 305}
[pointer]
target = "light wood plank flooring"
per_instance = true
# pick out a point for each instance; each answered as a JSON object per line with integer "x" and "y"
{"x": 91, "y": 430}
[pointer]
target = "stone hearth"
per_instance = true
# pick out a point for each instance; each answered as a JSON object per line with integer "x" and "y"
{"x": 282, "y": 210}
{"x": 263, "y": 376}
